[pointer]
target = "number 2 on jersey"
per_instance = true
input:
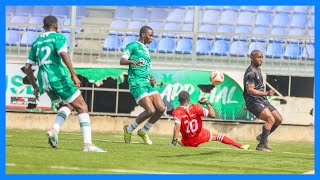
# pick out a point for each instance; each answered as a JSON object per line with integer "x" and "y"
{"x": 192, "y": 126}
{"x": 44, "y": 59}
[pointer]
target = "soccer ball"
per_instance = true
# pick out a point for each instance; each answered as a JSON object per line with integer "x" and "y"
{"x": 216, "y": 77}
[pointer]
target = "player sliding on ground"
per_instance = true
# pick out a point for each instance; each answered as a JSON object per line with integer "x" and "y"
{"x": 187, "y": 120}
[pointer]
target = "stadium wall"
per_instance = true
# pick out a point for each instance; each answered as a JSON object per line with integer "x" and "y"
{"x": 242, "y": 131}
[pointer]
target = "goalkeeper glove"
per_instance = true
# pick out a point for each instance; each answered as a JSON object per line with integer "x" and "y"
{"x": 204, "y": 101}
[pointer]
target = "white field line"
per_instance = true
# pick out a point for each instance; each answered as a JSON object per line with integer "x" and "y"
{"x": 309, "y": 172}
{"x": 98, "y": 169}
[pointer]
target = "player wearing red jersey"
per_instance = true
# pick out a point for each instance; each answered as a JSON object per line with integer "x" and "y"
{"x": 187, "y": 119}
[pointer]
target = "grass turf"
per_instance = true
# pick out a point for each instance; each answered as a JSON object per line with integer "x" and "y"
{"x": 27, "y": 152}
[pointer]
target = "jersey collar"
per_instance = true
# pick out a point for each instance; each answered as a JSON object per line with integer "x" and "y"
{"x": 141, "y": 44}
{"x": 49, "y": 32}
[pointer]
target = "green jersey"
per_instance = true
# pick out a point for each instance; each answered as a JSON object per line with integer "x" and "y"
{"x": 139, "y": 52}
{"x": 45, "y": 53}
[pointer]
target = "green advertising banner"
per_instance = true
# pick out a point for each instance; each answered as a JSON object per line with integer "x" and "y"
{"x": 226, "y": 98}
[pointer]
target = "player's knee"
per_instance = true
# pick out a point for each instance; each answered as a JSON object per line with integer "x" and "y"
{"x": 271, "y": 120}
{"x": 151, "y": 111}
{"x": 161, "y": 110}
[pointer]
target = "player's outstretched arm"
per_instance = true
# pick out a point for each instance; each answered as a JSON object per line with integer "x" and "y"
{"x": 175, "y": 138}
{"x": 254, "y": 92}
{"x": 124, "y": 61}
{"x": 66, "y": 59}
{"x": 205, "y": 101}
{"x": 32, "y": 80}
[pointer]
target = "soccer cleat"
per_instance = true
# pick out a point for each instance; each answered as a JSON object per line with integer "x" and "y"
{"x": 263, "y": 147}
{"x": 126, "y": 134}
{"x": 91, "y": 148}
{"x": 258, "y": 138}
{"x": 52, "y": 138}
{"x": 245, "y": 146}
{"x": 145, "y": 137}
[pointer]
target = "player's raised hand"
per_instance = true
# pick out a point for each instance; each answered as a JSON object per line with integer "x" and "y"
{"x": 76, "y": 81}
{"x": 204, "y": 101}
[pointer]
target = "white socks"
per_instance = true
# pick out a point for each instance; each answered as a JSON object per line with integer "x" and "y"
{"x": 84, "y": 121}
{"x": 62, "y": 115}
{"x": 132, "y": 126}
{"x": 146, "y": 127}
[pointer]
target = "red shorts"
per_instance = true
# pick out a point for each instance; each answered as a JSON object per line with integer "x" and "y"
{"x": 204, "y": 136}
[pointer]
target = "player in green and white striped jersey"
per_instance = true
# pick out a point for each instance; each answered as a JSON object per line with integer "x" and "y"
{"x": 48, "y": 52}
{"x": 141, "y": 84}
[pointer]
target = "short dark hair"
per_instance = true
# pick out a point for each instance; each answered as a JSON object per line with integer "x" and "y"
{"x": 144, "y": 29}
{"x": 49, "y": 21}
{"x": 254, "y": 52}
{"x": 183, "y": 96}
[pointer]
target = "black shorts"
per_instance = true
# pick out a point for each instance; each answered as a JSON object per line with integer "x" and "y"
{"x": 257, "y": 106}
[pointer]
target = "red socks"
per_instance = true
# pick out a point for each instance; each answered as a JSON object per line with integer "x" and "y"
{"x": 226, "y": 140}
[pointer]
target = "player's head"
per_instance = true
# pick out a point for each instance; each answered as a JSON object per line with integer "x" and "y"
{"x": 256, "y": 57}
{"x": 50, "y": 23}
{"x": 184, "y": 97}
{"x": 146, "y": 34}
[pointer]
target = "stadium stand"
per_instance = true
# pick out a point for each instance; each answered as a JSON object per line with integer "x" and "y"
{"x": 274, "y": 50}
{"x": 238, "y": 48}
{"x": 221, "y": 48}
{"x": 112, "y": 43}
{"x": 166, "y": 45}
{"x": 28, "y": 38}
{"x": 184, "y": 46}
{"x": 204, "y": 47}
{"x": 293, "y": 51}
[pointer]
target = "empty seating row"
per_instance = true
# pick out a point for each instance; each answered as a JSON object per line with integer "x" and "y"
{"x": 227, "y": 16}
{"x": 36, "y": 23}
{"x": 13, "y": 38}
{"x": 58, "y": 11}
{"x": 219, "y": 47}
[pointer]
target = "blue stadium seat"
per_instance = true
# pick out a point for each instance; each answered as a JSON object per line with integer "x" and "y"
{"x": 156, "y": 26}
{"x": 187, "y": 27}
{"x": 293, "y": 51}
{"x": 278, "y": 32}
{"x": 28, "y": 38}
{"x": 221, "y": 48}
{"x": 158, "y": 14}
{"x": 301, "y": 9}
{"x": 112, "y": 43}
{"x": 224, "y": 29}
{"x": 23, "y": 10}
{"x": 246, "y": 18}
{"x": 81, "y": 12}
{"x": 257, "y": 46}
{"x": 298, "y": 21}
{"x": 267, "y": 9}
{"x": 134, "y": 27}
{"x": 296, "y": 32}
{"x": 264, "y": 19}
{"x": 281, "y": 20}
{"x": 42, "y": 10}
{"x": 228, "y": 18}
{"x": 127, "y": 40}
{"x": 308, "y": 52}
{"x": 188, "y": 18}
{"x": 154, "y": 45}
{"x": 118, "y": 24}
{"x": 231, "y": 8}
{"x": 249, "y": 8}
{"x": 122, "y": 13}
{"x": 10, "y": 10}
{"x": 206, "y": 28}
{"x": 12, "y": 38}
{"x": 238, "y": 48}
{"x": 241, "y": 30}
{"x": 284, "y": 9}
{"x": 176, "y": 15}
{"x": 67, "y": 35}
{"x": 204, "y": 47}
{"x": 166, "y": 45}
{"x": 140, "y": 14}
{"x": 184, "y": 46}
{"x": 260, "y": 31}
{"x": 274, "y": 50}
{"x": 218, "y": 8}
{"x": 67, "y": 22}
{"x": 170, "y": 27}
{"x": 311, "y": 22}
{"x": 211, "y": 17}
{"x": 61, "y": 11}
{"x": 18, "y": 20}
{"x": 38, "y": 21}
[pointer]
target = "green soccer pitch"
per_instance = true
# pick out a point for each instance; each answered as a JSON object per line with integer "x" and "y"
{"x": 27, "y": 152}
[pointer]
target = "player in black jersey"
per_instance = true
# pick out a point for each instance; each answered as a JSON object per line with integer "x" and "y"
{"x": 256, "y": 100}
